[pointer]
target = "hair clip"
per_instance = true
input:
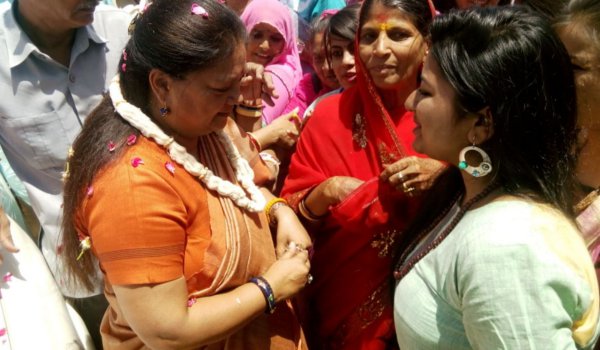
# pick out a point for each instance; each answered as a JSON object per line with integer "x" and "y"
{"x": 199, "y": 10}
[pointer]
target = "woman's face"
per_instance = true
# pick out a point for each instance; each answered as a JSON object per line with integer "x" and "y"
{"x": 440, "y": 131}
{"x": 391, "y": 47}
{"x": 201, "y": 102}
{"x": 464, "y": 4}
{"x": 342, "y": 60}
{"x": 320, "y": 64}
{"x": 264, "y": 43}
{"x": 585, "y": 58}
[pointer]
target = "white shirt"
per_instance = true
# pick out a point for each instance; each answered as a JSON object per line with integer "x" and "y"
{"x": 42, "y": 108}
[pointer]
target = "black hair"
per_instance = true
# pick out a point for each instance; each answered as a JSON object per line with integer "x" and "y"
{"x": 444, "y": 6}
{"x": 417, "y": 10}
{"x": 343, "y": 24}
{"x": 510, "y": 60}
{"x": 168, "y": 37}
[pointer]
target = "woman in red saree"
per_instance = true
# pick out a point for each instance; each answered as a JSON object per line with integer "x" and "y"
{"x": 353, "y": 178}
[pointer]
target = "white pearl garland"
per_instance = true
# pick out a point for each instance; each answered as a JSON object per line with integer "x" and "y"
{"x": 244, "y": 174}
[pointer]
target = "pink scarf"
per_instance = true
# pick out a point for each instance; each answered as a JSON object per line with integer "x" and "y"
{"x": 286, "y": 65}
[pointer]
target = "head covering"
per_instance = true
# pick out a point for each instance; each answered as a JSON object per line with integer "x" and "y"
{"x": 286, "y": 65}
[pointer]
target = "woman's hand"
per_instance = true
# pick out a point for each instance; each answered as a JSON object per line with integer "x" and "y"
{"x": 255, "y": 83}
{"x": 282, "y": 131}
{"x": 288, "y": 275}
{"x": 412, "y": 174}
{"x": 289, "y": 231}
{"x": 337, "y": 188}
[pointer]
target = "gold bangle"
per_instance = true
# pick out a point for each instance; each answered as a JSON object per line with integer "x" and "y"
{"x": 248, "y": 113}
{"x": 272, "y": 206}
{"x": 307, "y": 214}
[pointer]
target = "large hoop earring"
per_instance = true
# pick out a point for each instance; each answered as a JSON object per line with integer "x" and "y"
{"x": 484, "y": 168}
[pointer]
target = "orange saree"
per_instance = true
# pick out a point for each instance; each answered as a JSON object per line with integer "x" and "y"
{"x": 149, "y": 225}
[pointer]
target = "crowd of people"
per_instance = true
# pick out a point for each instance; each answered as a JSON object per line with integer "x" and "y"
{"x": 312, "y": 174}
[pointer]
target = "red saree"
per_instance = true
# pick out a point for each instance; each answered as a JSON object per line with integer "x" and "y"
{"x": 349, "y": 306}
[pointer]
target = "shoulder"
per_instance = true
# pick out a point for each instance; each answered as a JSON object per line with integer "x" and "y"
{"x": 518, "y": 232}
{"x": 143, "y": 165}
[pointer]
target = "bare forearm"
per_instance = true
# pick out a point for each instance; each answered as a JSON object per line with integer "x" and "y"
{"x": 318, "y": 200}
{"x": 159, "y": 315}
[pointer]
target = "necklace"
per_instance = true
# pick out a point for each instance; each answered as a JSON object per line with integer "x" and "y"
{"x": 403, "y": 266}
{"x": 243, "y": 172}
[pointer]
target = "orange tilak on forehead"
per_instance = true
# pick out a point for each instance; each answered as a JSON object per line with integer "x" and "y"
{"x": 382, "y": 19}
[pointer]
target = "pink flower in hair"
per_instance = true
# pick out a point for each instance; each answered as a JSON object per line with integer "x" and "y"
{"x": 199, "y": 10}
{"x": 111, "y": 146}
{"x": 131, "y": 139}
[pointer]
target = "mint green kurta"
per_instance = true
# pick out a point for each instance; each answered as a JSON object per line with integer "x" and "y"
{"x": 511, "y": 275}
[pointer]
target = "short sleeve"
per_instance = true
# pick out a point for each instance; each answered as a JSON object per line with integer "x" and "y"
{"x": 137, "y": 224}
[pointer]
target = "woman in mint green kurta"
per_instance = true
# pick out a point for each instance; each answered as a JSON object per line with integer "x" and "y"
{"x": 495, "y": 261}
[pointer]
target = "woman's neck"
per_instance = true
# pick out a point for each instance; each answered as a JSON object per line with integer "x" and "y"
{"x": 394, "y": 99}
{"x": 476, "y": 185}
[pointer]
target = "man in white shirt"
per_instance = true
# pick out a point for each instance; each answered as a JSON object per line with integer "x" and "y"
{"x": 57, "y": 58}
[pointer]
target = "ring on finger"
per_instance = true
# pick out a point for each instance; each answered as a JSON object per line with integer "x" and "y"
{"x": 400, "y": 176}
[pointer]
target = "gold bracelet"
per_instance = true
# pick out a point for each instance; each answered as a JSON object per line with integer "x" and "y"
{"x": 272, "y": 206}
{"x": 252, "y": 108}
{"x": 257, "y": 113}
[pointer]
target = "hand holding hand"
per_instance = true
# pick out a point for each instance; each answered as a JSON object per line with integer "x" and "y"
{"x": 288, "y": 275}
{"x": 290, "y": 230}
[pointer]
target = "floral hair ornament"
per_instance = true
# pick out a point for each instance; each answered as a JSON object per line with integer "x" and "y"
{"x": 124, "y": 65}
{"x": 141, "y": 8}
{"x": 131, "y": 139}
{"x": 85, "y": 245}
{"x": 328, "y": 13}
{"x": 199, "y": 10}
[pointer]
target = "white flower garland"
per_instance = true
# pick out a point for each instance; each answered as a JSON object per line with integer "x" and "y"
{"x": 243, "y": 172}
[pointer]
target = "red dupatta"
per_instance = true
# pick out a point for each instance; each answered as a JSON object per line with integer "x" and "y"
{"x": 349, "y": 305}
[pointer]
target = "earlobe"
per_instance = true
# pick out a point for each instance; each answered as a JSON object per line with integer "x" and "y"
{"x": 160, "y": 84}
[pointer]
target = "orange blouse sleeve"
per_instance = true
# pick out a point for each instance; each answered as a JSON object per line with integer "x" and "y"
{"x": 137, "y": 219}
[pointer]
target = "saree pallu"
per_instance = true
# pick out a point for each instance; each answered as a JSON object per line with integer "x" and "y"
{"x": 349, "y": 306}
{"x": 182, "y": 229}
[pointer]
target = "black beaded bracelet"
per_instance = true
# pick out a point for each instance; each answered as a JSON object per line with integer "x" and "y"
{"x": 267, "y": 292}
